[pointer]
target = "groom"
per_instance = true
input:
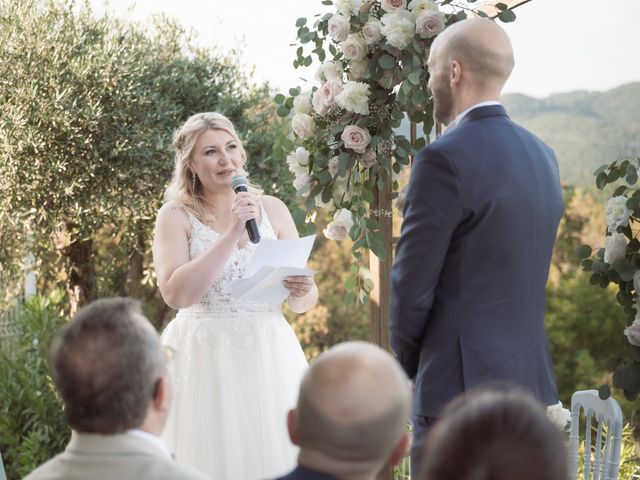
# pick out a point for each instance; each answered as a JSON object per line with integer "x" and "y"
{"x": 480, "y": 220}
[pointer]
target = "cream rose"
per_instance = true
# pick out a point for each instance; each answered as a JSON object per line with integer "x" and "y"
{"x": 617, "y": 213}
{"x": 298, "y": 161}
{"x": 303, "y": 125}
{"x": 338, "y": 28}
{"x": 344, "y": 218}
{"x": 354, "y": 47}
{"x": 358, "y": 69}
{"x": 393, "y": 5}
{"x": 302, "y": 103}
{"x": 398, "y": 28}
{"x": 356, "y": 138}
{"x": 348, "y": 7}
{"x": 354, "y": 97}
{"x": 325, "y": 96}
{"x": 419, "y": 6}
{"x": 368, "y": 158}
{"x": 372, "y": 31}
{"x": 335, "y": 232}
{"x": 615, "y": 247}
{"x": 333, "y": 166}
{"x": 430, "y": 23}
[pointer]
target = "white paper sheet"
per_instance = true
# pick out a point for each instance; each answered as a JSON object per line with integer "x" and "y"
{"x": 272, "y": 261}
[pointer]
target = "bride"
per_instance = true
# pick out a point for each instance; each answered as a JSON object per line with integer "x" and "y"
{"x": 237, "y": 364}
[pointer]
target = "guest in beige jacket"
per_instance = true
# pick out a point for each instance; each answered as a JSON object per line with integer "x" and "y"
{"x": 111, "y": 372}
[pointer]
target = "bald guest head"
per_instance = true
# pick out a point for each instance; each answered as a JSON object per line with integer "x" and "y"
{"x": 469, "y": 63}
{"x": 352, "y": 410}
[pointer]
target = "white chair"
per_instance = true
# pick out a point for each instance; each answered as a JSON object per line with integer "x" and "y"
{"x": 608, "y": 418}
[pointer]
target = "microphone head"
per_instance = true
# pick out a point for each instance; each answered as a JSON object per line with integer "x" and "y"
{"x": 239, "y": 181}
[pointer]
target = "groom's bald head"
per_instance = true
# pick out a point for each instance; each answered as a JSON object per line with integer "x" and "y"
{"x": 353, "y": 405}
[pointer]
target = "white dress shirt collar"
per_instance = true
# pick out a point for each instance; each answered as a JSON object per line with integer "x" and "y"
{"x": 152, "y": 439}
{"x": 455, "y": 122}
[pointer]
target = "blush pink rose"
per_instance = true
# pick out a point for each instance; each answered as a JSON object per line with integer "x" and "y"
{"x": 325, "y": 96}
{"x": 368, "y": 158}
{"x": 303, "y": 125}
{"x": 356, "y": 138}
{"x": 333, "y": 166}
{"x": 338, "y": 28}
{"x": 430, "y": 23}
{"x": 393, "y": 5}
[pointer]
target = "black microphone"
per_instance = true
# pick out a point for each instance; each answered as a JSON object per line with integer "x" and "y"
{"x": 240, "y": 184}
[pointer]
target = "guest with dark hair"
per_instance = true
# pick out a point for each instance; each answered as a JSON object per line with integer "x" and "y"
{"x": 110, "y": 369}
{"x": 498, "y": 434}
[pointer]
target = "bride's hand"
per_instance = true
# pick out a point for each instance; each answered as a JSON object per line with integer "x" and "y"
{"x": 298, "y": 286}
{"x": 245, "y": 207}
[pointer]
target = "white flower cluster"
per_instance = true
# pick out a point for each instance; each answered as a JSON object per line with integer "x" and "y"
{"x": 339, "y": 228}
{"x": 559, "y": 416}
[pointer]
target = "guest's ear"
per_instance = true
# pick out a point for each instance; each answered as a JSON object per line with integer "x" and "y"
{"x": 161, "y": 394}
{"x": 401, "y": 450}
{"x": 292, "y": 425}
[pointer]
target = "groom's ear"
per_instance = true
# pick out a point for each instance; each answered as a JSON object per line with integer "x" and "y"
{"x": 292, "y": 419}
{"x": 456, "y": 73}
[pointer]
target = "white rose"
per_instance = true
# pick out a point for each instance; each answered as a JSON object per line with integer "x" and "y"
{"x": 393, "y": 5}
{"x": 559, "y": 416}
{"x": 344, "y": 218}
{"x": 354, "y": 47}
{"x": 348, "y": 7}
{"x": 333, "y": 166}
{"x": 356, "y": 138}
{"x": 301, "y": 180}
{"x": 615, "y": 246}
{"x": 321, "y": 204}
{"x": 338, "y": 28}
{"x": 335, "y": 232}
{"x": 354, "y": 97}
{"x": 298, "y": 161}
{"x": 372, "y": 31}
{"x": 302, "y": 103}
{"x": 328, "y": 71}
{"x": 368, "y": 158}
{"x": 358, "y": 69}
{"x": 617, "y": 213}
{"x": 325, "y": 96}
{"x": 633, "y": 331}
{"x": 419, "y": 6}
{"x": 303, "y": 125}
{"x": 430, "y": 23}
{"x": 398, "y": 28}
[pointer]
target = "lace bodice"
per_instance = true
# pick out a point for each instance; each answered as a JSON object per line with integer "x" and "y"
{"x": 202, "y": 236}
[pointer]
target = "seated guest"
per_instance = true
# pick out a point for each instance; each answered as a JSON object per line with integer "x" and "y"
{"x": 111, "y": 372}
{"x": 501, "y": 434}
{"x": 350, "y": 419}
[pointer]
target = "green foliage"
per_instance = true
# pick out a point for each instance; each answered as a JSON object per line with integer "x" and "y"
{"x": 88, "y": 106}
{"x": 32, "y": 425}
{"x": 607, "y": 267}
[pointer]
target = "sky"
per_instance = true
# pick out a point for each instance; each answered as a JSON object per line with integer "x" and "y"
{"x": 560, "y": 45}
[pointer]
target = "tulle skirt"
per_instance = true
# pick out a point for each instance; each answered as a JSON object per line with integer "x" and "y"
{"x": 235, "y": 377}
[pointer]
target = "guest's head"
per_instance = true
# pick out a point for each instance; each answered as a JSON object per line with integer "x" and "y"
{"x": 468, "y": 63}
{"x": 110, "y": 369}
{"x": 352, "y": 411}
{"x": 206, "y": 147}
{"x": 499, "y": 434}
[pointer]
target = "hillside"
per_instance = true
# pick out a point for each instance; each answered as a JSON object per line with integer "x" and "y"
{"x": 586, "y": 129}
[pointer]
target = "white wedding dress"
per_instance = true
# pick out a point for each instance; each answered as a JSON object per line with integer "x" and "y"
{"x": 236, "y": 370}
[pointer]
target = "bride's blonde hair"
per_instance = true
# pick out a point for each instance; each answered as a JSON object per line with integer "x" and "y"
{"x": 185, "y": 187}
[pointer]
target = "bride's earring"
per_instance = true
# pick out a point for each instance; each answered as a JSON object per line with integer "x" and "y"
{"x": 193, "y": 174}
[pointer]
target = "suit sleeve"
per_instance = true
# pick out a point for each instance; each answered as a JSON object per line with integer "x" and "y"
{"x": 431, "y": 214}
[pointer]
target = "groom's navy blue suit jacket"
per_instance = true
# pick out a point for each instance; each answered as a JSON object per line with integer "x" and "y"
{"x": 480, "y": 220}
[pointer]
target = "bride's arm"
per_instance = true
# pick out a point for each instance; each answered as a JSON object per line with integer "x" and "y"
{"x": 182, "y": 281}
{"x": 304, "y": 292}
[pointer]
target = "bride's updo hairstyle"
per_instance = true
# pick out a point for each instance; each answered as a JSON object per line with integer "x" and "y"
{"x": 185, "y": 187}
